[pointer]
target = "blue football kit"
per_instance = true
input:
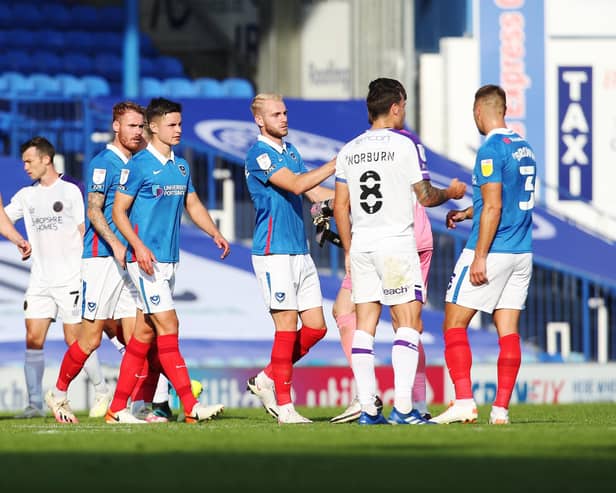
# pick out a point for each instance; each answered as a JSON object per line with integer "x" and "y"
{"x": 279, "y": 227}
{"x": 103, "y": 175}
{"x": 159, "y": 187}
{"x": 506, "y": 158}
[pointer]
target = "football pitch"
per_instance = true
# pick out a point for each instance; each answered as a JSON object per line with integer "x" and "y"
{"x": 563, "y": 448}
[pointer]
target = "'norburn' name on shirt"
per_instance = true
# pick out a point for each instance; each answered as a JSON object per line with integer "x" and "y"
{"x": 370, "y": 157}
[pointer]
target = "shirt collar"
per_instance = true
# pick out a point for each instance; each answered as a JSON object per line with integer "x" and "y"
{"x": 117, "y": 152}
{"x": 279, "y": 148}
{"x": 163, "y": 160}
{"x": 505, "y": 131}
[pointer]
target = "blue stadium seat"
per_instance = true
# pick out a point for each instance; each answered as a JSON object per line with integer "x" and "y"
{"x": 27, "y": 15}
{"x": 80, "y": 42}
{"x": 6, "y": 16}
{"x": 169, "y": 67}
{"x": 209, "y": 88}
{"x": 21, "y": 39}
{"x": 71, "y": 85}
{"x": 237, "y": 88}
{"x": 50, "y": 38}
{"x": 180, "y": 87}
{"x": 85, "y": 17}
{"x": 149, "y": 87}
{"x": 109, "y": 41}
{"x": 108, "y": 66}
{"x": 78, "y": 64}
{"x": 56, "y": 15}
{"x": 45, "y": 85}
{"x": 47, "y": 62}
{"x": 147, "y": 67}
{"x": 19, "y": 85}
{"x": 96, "y": 86}
{"x": 111, "y": 18}
{"x": 146, "y": 47}
{"x": 20, "y": 61}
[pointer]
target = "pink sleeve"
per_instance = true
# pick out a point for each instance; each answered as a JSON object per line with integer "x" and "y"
{"x": 423, "y": 230}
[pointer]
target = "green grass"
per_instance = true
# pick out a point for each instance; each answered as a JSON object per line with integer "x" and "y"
{"x": 562, "y": 448}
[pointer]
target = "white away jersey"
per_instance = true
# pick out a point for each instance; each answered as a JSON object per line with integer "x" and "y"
{"x": 380, "y": 168}
{"x": 51, "y": 215}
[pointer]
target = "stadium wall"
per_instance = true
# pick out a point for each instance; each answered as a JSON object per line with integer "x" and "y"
{"x": 333, "y": 386}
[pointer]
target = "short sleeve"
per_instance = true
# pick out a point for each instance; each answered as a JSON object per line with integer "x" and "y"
{"x": 262, "y": 164}
{"x": 77, "y": 205}
{"x": 14, "y": 209}
{"x": 130, "y": 179}
{"x": 98, "y": 177}
{"x": 488, "y": 165}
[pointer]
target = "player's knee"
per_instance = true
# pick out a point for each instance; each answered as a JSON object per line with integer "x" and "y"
{"x": 34, "y": 341}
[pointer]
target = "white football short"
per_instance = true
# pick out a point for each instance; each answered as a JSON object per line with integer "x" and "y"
{"x": 508, "y": 279}
{"x": 105, "y": 286}
{"x": 389, "y": 277}
{"x": 288, "y": 282}
{"x": 52, "y": 302}
{"x": 155, "y": 291}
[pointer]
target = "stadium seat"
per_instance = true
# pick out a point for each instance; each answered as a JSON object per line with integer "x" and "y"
{"x": 19, "y": 85}
{"x": 149, "y": 87}
{"x": 20, "y": 61}
{"x": 28, "y": 15}
{"x": 80, "y": 42}
{"x": 71, "y": 85}
{"x": 209, "y": 88}
{"x": 111, "y": 18}
{"x": 237, "y": 88}
{"x": 109, "y": 41}
{"x": 47, "y": 62}
{"x": 78, "y": 64}
{"x": 180, "y": 87}
{"x": 146, "y": 47}
{"x": 147, "y": 67}
{"x": 6, "y": 16}
{"x": 169, "y": 67}
{"x": 50, "y": 38}
{"x": 96, "y": 86}
{"x": 45, "y": 85}
{"x": 108, "y": 66}
{"x": 85, "y": 17}
{"x": 20, "y": 39}
{"x": 56, "y": 15}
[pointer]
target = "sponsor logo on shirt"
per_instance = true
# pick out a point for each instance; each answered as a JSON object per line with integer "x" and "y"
{"x": 157, "y": 191}
{"x": 487, "y": 167}
{"x": 58, "y": 206}
{"x": 98, "y": 175}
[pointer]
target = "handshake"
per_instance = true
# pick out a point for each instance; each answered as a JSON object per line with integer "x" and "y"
{"x": 321, "y": 213}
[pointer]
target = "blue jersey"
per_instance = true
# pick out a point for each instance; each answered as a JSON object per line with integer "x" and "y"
{"x": 506, "y": 158}
{"x": 103, "y": 176}
{"x": 279, "y": 225}
{"x": 159, "y": 188}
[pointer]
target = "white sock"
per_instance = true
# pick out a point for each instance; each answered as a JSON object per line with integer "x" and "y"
{"x": 34, "y": 367}
{"x": 162, "y": 390}
{"x": 404, "y": 357}
{"x": 362, "y": 360}
{"x": 118, "y": 345}
{"x": 92, "y": 367}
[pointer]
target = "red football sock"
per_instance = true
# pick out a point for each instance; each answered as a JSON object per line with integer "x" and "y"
{"x": 175, "y": 369}
{"x": 305, "y": 339}
{"x": 146, "y": 388}
{"x": 282, "y": 365}
{"x": 131, "y": 368}
{"x": 459, "y": 360}
{"x": 509, "y": 359}
{"x": 72, "y": 363}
